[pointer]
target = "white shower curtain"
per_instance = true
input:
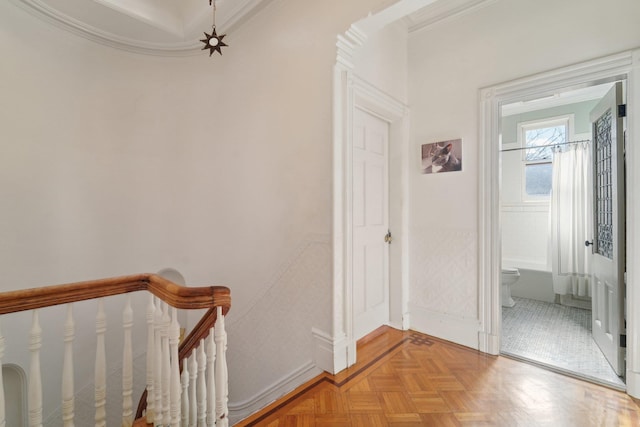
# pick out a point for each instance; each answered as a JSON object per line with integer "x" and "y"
{"x": 571, "y": 220}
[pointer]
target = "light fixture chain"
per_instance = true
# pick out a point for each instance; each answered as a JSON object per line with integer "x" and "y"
{"x": 214, "y": 13}
{"x": 213, "y": 41}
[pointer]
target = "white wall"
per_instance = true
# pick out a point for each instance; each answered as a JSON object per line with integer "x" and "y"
{"x": 114, "y": 163}
{"x": 448, "y": 64}
{"x": 382, "y": 60}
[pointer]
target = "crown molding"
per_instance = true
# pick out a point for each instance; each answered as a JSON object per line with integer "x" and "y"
{"x": 240, "y": 12}
{"x": 442, "y": 11}
{"x": 347, "y": 44}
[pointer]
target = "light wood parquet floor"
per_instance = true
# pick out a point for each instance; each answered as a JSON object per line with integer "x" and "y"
{"x": 411, "y": 379}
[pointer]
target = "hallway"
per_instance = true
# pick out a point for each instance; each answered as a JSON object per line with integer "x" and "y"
{"x": 407, "y": 378}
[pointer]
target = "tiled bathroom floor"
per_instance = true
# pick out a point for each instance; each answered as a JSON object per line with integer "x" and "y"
{"x": 555, "y": 336}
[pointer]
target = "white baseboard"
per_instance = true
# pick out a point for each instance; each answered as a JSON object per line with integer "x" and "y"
{"x": 396, "y": 325}
{"x": 403, "y": 324}
{"x": 241, "y": 410}
{"x": 441, "y": 325}
{"x": 489, "y": 343}
{"x": 633, "y": 384}
{"x": 406, "y": 321}
{"x": 330, "y": 353}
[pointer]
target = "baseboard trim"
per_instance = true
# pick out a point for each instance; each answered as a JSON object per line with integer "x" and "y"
{"x": 241, "y": 410}
{"x": 397, "y": 325}
{"x": 330, "y": 353}
{"x": 633, "y": 384}
{"x": 406, "y": 321}
{"x": 489, "y": 343}
{"x": 445, "y": 326}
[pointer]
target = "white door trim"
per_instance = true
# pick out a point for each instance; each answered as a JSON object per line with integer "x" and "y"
{"x": 610, "y": 68}
{"x": 350, "y": 92}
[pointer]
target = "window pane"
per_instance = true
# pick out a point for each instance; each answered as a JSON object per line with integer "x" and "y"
{"x": 541, "y": 138}
{"x": 538, "y": 179}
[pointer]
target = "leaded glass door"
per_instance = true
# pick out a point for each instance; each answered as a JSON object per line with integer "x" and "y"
{"x": 608, "y": 290}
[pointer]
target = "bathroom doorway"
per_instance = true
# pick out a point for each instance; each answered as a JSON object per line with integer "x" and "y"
{"x": 546, "y": 217}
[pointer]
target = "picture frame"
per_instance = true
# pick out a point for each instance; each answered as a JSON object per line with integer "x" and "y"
{"x": 442, "y": 156}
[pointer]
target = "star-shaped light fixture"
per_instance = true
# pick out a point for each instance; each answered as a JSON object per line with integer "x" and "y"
{"x": 213, "y": 41}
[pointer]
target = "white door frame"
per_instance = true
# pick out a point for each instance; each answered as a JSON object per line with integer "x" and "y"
{"x": 350, "y": 92}
{"x": 625, "y": 65}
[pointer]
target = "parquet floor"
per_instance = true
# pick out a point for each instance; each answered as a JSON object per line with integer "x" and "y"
{"x": 410, "y": 379}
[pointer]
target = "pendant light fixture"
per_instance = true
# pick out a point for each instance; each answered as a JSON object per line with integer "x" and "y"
{"x": 213, "y": 41}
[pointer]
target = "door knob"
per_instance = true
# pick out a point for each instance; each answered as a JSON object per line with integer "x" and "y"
{"x": 588, "y": 243}
{"x": 387, "y": 237}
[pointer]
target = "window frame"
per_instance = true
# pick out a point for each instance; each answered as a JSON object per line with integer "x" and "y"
{"x": 566, "y": 120}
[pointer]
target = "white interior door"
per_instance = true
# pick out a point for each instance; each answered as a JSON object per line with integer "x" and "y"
{"x": 370, "y": 223}
{"x": 609, "y": 228}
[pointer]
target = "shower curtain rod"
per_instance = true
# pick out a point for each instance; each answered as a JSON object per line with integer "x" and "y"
{"x": 584, "y": 141}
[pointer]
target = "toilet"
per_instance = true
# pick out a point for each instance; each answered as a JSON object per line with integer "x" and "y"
{"x": 509, "y": 277}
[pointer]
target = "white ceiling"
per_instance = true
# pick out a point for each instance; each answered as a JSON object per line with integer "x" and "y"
{"x": 146, "y": 26}
{"x": 559, "y": 98}
{"x": 176, "y": 26}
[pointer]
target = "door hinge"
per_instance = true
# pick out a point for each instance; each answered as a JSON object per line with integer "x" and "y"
{"x": 622, "y": 110}
{"x": 623, "y": 340}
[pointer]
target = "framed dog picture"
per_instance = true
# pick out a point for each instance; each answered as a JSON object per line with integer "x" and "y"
{"x": 443, "y": 156}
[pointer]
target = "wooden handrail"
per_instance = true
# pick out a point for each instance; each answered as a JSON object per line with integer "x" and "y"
{"x": 190, "y": 342}
{"x": 175, "y": 295}
{"x": 200, "y": 331}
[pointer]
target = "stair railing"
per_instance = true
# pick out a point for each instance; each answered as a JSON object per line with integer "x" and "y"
{"x": 169, "y": 398}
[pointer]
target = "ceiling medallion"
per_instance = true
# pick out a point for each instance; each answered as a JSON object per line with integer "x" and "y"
{"x": 213, "y": 41}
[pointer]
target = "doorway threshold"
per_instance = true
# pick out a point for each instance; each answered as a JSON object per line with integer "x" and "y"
{"x": 618, "y": 385}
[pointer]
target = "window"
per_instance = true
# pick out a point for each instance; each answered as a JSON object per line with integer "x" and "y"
{"x": 537, "y": 179}
{"x": 538, "y": 138}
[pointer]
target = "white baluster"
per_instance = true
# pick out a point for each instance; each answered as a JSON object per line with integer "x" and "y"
{"x": 151, "y": 308}
{"x": 211, "y": 380}
{"x": 101, "y": 368}
{"x": 202, "y": 386}
{"x": 193, "y": 375}
{"x": 174, "y": 337}
{"x": 35, "y": 380}
{"x": 157, "y": 419}
{"x": 3, "y": 417}
{"x": 166, "y": 366}
{"x": 222, "y": 386}
{"x": 127, "y": 366}
{"x": 67, "y": 370}
{"x": 185, "y": 394}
